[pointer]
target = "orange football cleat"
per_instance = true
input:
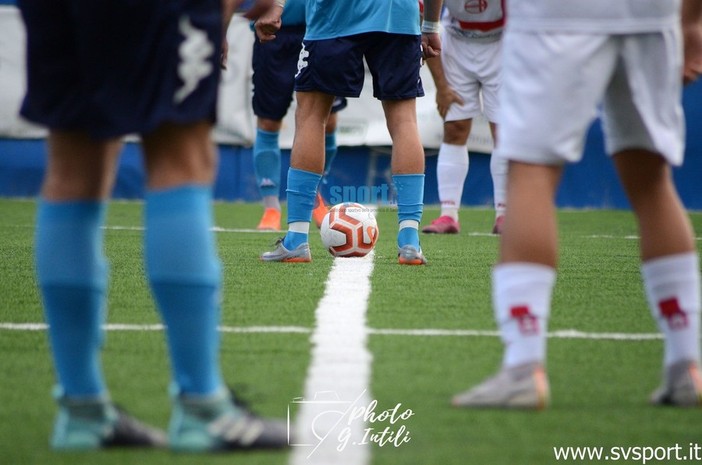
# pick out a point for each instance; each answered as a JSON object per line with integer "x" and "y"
{"x": 270, "y": 221}
{"x": 320, "y": 211}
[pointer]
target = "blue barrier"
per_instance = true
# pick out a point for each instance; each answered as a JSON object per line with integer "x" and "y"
{"x": 592, "y": 183}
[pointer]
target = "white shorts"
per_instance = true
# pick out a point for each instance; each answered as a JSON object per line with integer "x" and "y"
{"x": 553, "y": 84}
{"x": 472, "y": 68}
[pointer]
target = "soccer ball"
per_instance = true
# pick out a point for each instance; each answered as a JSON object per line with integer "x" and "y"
{"x": 349, "y": 230}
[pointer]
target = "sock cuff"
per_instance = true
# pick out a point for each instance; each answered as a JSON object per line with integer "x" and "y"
{"x": 453, "y": 154}
{"x": 303, "y": 182}
{"x": 671, "y": 267}
{"x": 85, "y": 210}
{"x": 303, "y": 174}
{"x": 407, "y": 177}
{"x": 519, "y": 272}
{"x": 267, "y": 137}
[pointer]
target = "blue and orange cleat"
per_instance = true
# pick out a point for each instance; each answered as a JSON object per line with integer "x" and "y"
{"x": 410, "y": 255}
{"x": 301, "y": 254}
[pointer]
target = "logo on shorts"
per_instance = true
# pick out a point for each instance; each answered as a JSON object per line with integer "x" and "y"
{"x": 475, "y": 6}
{"x": 301, "y": 62}
{"x": 194, "y": 52}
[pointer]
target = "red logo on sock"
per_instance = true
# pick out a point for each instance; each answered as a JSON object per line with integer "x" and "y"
{"x": 671, "y": 311}
{"x": 528, "y": 323}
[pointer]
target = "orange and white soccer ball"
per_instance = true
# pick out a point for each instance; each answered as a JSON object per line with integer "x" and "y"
{"x": 349, "y": 230}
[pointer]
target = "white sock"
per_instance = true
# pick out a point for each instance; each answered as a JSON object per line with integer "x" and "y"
{"x": 408, "y": 224}
{"x": 498, "y": 170}
{"x": 299, "y": 227}
{"x": 521, "y": 294}
{"x": 451, "y": 172}
{"x": 673, "y": 290}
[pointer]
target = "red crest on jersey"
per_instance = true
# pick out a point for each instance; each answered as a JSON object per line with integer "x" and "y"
{"x": 475, "y": 6}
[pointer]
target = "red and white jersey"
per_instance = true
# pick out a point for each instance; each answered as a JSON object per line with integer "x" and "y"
{"x": 597, "y": 16}
{"x": 474, "y": 18}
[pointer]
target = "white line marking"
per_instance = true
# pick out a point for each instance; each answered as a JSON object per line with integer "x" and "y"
{"x": 430, "y": 332}
{"x": 609, "y": 236}
{"x": 560, "y": 334}
{"x": 256, "y": 231}
{"x": 215, "y": 229}
{"x": 340, "y": 371}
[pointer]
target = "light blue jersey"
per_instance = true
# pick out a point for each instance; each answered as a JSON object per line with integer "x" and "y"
{"x": 327, "y": 19}
{"x": 293, "y": 13}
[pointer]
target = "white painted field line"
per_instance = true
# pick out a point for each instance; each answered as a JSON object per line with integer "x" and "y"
{"x": 256, "y": 231}
{"x": 430, "y": 332}
{"x": 561, "y": 334}
{"x": 160, "y": 327}
{"x": 215, "y": 229}
{"x": 338, "y": 377}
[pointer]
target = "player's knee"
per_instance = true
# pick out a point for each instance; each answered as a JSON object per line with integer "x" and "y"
{"x": 457, "y": 132}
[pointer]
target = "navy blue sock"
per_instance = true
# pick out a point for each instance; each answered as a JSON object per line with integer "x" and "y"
{"x": 266, "y": 152}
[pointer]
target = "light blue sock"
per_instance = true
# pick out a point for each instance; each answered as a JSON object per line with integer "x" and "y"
{"x": 72, "y": 273}
{"x": 330, "y": 150}
{"x": 410, "y": 202}
{"x": 302, "y": 190}
{"x": 266, "y": 152}
{"x": 185, "y": 276}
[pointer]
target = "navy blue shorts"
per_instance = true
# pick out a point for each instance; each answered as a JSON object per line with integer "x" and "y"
{"x": 274, "y": 66}
{"x": 335, "y": 66}
{"x": 118, "y": 67}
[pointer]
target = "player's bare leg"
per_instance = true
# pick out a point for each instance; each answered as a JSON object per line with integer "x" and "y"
{"x": 530, "y": 231}
{"x": 79, "y": 167}
{"x": 321, "y": 208}
{"x": 310, "y": 122}
{"x": 179, "y": 154}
